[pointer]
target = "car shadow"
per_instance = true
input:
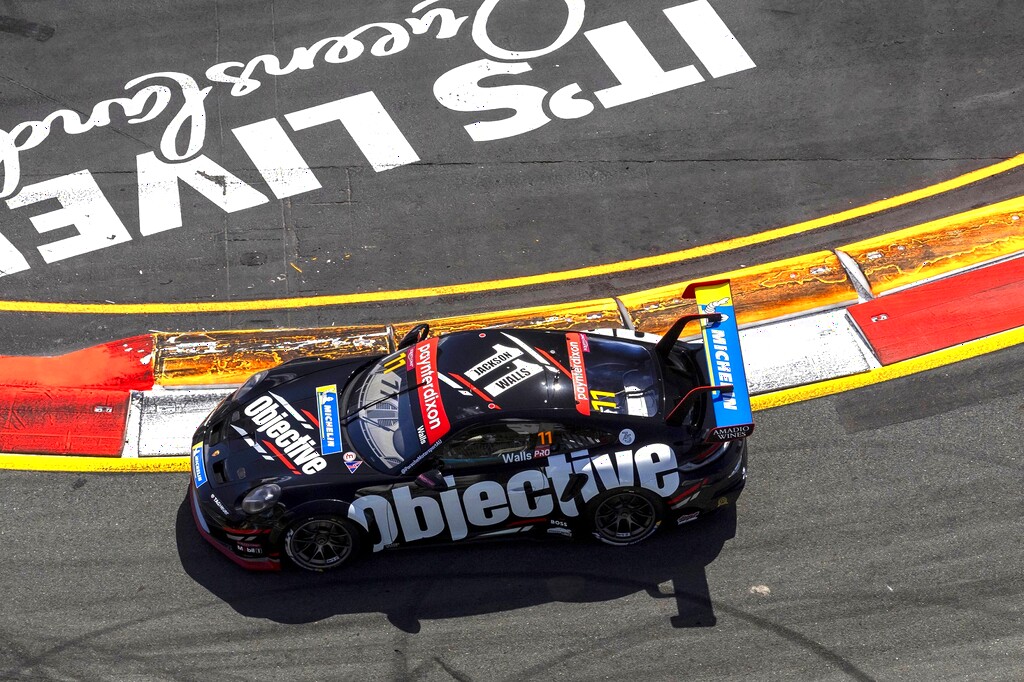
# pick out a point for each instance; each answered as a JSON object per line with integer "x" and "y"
{"x": 410, "y": 585}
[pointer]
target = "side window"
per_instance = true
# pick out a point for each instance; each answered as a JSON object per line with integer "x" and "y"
{"x": 519, "y": 441}
{"x": 487, "y": 444}
{"x": 570, "y": 439}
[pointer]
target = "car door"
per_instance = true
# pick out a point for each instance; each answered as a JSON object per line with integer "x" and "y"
{"x": 494, "y": 470}
{"x": 500, "y": 478}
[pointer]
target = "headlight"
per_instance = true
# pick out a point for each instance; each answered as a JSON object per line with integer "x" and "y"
{"x": 261, "y": 498}
{"x": 250, "y": 384}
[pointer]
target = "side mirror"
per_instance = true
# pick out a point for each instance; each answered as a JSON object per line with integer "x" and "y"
{"x": 414, "y": 336}
{"x": 432, "y": 479}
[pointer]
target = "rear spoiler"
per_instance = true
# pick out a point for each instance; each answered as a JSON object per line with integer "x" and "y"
{"x": 730, "y": 393}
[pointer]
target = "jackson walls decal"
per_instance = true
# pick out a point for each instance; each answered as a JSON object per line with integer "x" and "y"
{"x": 85, "y": 209}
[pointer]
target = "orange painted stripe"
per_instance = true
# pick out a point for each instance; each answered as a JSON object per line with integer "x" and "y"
{"x": 761, "y": 292}
{"x": 568, "y": 316}
{"x": 905, "y": 258}
{"x": 230, "y": 357}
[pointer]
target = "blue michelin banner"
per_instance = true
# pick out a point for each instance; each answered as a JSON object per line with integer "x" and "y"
{"x": 327, "y": 405}
{"x": 198, "y": 466}
{"x": 733, "y": 417}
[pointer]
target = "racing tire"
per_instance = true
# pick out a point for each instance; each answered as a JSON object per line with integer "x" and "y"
{"x": 323, "y": 542}
{"x": 625, "y": 516}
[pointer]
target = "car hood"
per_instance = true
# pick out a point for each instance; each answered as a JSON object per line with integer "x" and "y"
{"x": 287, "y": 426}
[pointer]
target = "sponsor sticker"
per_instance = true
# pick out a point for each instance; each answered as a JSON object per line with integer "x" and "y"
{"x": 327, "y": 405}
{"x": 198, "y": 466}
{"x": 403, "y": 514}
{"x": 686, "y": 518}
{"x": 423, "y": 359}
{"x": 577, "y": 345}
{"x": 733, "y": 417}
{"x": 626, "y": 436}
{"x": 522, "y": 372}
{"x": 282, "y": 430}
{"x": 220, "y": 505}
{"x": 502, "y": 356}
{"x": 352, "y": 461}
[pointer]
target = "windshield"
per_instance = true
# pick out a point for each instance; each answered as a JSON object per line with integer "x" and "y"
{"x": 396, "y": 410}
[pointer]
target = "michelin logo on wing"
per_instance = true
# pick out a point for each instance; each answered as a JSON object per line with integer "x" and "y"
{"x": 733, "y": 415}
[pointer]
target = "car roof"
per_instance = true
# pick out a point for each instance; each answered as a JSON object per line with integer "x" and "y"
{"x": 536, "y": 371}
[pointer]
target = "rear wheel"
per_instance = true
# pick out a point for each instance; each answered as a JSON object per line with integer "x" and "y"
{"x": 321, "y": 543}
{"x": 625, "y": 517}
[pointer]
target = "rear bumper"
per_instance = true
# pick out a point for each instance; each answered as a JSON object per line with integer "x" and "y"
{"x": 719, "y": 485}
{"x": 206, "y": 527}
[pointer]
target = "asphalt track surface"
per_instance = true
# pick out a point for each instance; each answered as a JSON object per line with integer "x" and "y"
{"x": 869, "y": 545}
{"x": 884, "y": 522}
{"x": 849, "y": 102}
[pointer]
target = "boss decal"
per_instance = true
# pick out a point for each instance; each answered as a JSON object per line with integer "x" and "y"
{"x": 528, "y": 494}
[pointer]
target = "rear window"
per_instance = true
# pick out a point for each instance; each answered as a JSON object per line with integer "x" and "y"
{"x": 620, "y": 377}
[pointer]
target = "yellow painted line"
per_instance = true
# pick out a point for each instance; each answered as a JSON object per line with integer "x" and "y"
{"x": 94, "y": 464}
{"x": 948, "y": 356}
{"x": 518, "y": 282}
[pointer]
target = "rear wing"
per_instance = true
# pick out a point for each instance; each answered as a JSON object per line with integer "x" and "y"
{"x": 729, "y": 391}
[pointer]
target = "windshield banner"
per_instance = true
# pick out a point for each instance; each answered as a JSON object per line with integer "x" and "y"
{"x": 576, "y": 345}
{"x": 733, "y": 418}
{"x": 423, "y": 364}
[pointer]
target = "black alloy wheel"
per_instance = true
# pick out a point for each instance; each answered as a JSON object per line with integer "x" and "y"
{"x": 320, "y": 543}
{"x": 625, "y": 517}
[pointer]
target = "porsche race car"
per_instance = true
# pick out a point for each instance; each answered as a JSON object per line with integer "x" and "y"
{"x": 474, "y": 435}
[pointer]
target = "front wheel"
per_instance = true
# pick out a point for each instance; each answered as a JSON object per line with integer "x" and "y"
{"x": 625, "y": 517}
{"x": 321, "y": 543}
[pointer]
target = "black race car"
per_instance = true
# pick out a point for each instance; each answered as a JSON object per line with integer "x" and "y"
{"x": 477, "y": 434}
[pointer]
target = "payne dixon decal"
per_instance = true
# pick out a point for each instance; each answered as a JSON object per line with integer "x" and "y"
{"x": 283, "y": 430}
{"x": 402, "y": 516}
{"x": 422, "y": 362}
{"x": 176, "y": 104}
{"x": 577, "y": 345}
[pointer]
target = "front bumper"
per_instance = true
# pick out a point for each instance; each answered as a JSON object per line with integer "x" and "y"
{"x": 246, "y": 547}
